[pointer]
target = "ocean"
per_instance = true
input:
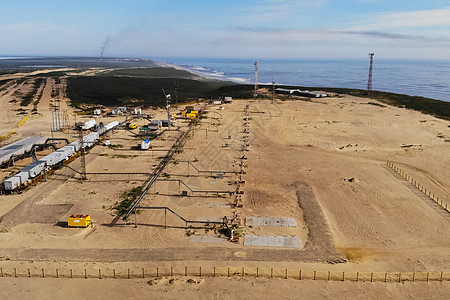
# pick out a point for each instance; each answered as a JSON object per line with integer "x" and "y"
{"x": 427, "y": 78}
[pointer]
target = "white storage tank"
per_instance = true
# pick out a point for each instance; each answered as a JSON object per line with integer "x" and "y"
{"x": 111, "y": 125}
{"x": 88, "y": 124}
{"x": 76, "y": 145}
{"x": 66, "y": 151}
{"x": 23, "y": 177}
{"x": 12, "y": 183}
{"x": 35, "y": 168}
{"x": 53, "y": 158}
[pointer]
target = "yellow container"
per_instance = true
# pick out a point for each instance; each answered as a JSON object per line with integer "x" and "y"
{"x": 191, "y": 116}
{"x": 79, "y": 220}
{"x": 194, "y": 111}
{"x": 183, "y": 112}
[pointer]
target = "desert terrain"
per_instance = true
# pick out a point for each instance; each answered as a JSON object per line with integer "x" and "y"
{"x": 320, "y": 162}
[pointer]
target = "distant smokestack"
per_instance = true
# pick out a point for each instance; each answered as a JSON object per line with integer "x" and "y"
{"x": 104, "y": 46}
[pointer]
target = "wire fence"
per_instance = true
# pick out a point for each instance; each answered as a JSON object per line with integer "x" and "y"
{"x": 252, "y": 272}
{"x": 419, "y": 186}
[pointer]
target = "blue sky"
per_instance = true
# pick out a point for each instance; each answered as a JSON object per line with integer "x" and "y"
{"x": 231, "y": 29}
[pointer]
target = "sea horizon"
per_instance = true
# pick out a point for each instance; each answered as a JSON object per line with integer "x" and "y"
{"x": 416, "y": 77}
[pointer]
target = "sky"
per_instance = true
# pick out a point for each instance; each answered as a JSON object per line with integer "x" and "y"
{"x": 320, "y": 29}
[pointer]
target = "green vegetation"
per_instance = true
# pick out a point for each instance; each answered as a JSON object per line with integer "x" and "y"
{"x": 124, "y": 156}
{"x": 376, "y": 104}
{"x": 156, "y": 72}
{"x": 115, "y": 146}
{"x": 116, "y": 91}
{"x": 28, "y": 98}
{"x": 128, "y": 197}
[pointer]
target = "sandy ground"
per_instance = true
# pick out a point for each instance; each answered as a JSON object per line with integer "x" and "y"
{"x": 321, "y": 162}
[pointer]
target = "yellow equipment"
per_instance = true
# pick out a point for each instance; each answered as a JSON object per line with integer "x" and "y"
{"x": 132, "y": 126}
{"x": 191, "y": 116}
{"x": 79, "y": 221}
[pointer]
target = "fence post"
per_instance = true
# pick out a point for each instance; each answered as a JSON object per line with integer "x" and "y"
{"x": 1, "y": 271}
{"x": 271, "y": 272}
{"x": 357, "y": 276}
{"x": 442, "y": 275}
{"x": 414, "y": 277}
{"x": 29, "y": 273}
{"x": 314, "y": 275}
{"x": 214, "y": 272}
{"x": 57, "y": 273}
{"x": 257, "y": 272}
{"x": 185, "y": 271}
{"x": 228, "y": 271}
{"x": 300, "y": 275}
{"x": 15, "y": 272}
{"x": 400, "y": 277}
{"x": 128, "y": 273}
{"x": 385, "y": 277}
{"x": 371, "y": 277}
{"x": 329, "y": 275}
{"x": 343, "y": 276}
{"x": 243, "y": 272}
{"x": 43, "y": 273}
{"x": 85, "y": 274}
{"x": 171, "y": 271}
{"x": 143, "y": 273}
{"x": 99, "y": 274}
{"x": 428, "y": 276}
{"x": 157, "y": 272}
{"x": 71, "y": 273}
{"x": 200, "y": 271}
{"x": 114, "y": 273}
{"x": 286, "y": 274}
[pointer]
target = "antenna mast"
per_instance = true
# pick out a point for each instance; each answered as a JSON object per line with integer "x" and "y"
{"x": 255, "y": 94}
{"x": 369, "y": 81}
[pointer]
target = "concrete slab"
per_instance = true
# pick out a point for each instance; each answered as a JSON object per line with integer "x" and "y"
{"x": 210, "y": 219}
{"x": 205, "y": 239}
{"x": 272, "y": 241}
{"x": 270, "y": 221}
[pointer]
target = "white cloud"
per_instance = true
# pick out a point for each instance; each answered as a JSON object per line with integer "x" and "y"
{"x": 422, "y": 18}
{"x": 271, "y": 10}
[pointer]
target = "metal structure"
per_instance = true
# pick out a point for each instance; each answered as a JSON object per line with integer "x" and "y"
{"x": 255, "y": 93}
{"x": 181, "y": 182}
{"x": 165, "y": 208}
{"x": 83, "y": 155}
{"x": 273, "y": 91}
{"x": 168, "y": 97}
{"x": 56, "y": 117}
{"x": 158, "y": 170}
{"x": 369, "y": 81}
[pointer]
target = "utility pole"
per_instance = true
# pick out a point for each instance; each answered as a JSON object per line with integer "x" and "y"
{"x": 273, "y": 91}
{"x": 83, "y": 154}
{"x": 255, "y": 94}
{"x": 369, "y": 81}
{"x": 168, "y": 97}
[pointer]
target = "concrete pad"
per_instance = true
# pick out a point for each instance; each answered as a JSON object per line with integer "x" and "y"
{"x": 272, "y": 241}
{"x": 205, "y": 239}
{"x": 210, "y": 219}
{"x": 270, "y": 221}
